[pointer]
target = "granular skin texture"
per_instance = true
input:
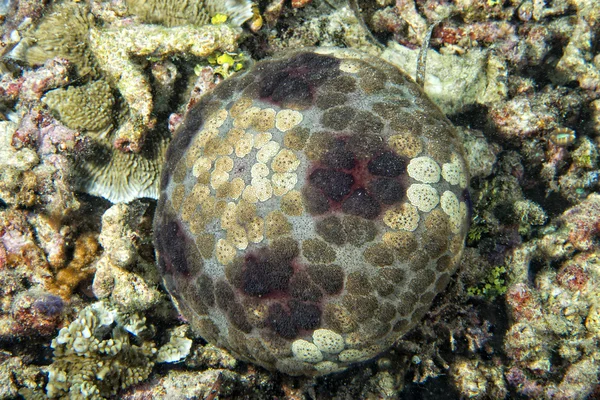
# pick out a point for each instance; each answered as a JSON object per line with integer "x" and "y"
{"x": 310, "y": 210}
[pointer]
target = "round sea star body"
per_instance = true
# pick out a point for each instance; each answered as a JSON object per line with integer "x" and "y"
{"x": 310, "y": 210}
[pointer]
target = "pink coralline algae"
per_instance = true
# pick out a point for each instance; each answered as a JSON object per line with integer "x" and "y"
{"x": 33, "y": 84}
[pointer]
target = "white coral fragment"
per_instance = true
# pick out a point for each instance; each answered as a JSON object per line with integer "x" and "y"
{"x": 178, "y": 347}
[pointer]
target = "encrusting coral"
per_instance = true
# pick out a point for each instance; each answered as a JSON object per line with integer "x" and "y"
{"x": 88, "y": 107}
{"x": 104, "y": 350}
{"x": 175, "y": 13}
{"x": 64, "y": 33}
{"x": 80, "y": 268}
{"x": 115, "y": 48}
{"x": 177, "y": 348}
{"x": 447, "y": 73}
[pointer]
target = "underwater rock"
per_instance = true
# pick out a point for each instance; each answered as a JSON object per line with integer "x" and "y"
{"x": 115, "y": 277}
{"x": 447, "y": 74}
{"x": 557, "y": 316}
{"x": 310, "y": 210}
{"x": 116, "y": 48}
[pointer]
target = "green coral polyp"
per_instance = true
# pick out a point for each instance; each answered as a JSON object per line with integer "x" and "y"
{"x": 494, "y": 284}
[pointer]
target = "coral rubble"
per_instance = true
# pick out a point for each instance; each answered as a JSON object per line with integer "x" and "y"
{"x": 557, "y": 315}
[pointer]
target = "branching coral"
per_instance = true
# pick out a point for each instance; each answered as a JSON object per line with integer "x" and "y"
{"x": 95, "y": 355}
